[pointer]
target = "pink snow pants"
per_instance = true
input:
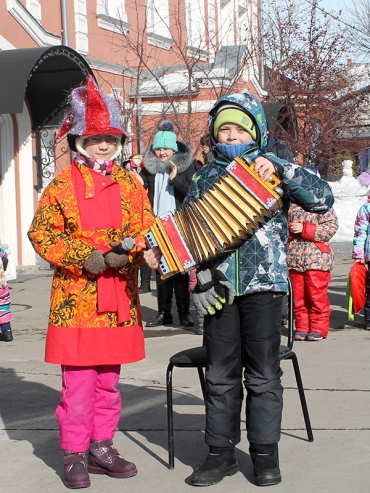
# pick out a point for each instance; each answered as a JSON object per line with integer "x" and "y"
{"x": 89, "y": 407}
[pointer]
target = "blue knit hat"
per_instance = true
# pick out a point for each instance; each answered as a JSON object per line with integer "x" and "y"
{"x": 166, "y": 137}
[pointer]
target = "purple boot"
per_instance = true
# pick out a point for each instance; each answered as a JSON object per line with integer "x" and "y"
{"x": 104, "y": 459}
{"x": 75, "y": 470}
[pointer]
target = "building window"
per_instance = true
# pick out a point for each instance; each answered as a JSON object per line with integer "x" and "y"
{"x": 158, "y": 18}
{"x": 226, "y": 23}
{"x": 196, "y": 28}
{"x": 34, "y": 8}
{"x": 242, "y": 7}
{"x": 111, "y": 16}
{"x": 112, "y": 8}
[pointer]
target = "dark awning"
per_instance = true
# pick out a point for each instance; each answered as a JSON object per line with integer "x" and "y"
{"x": 272, "y": 112}
{"x": 44, "y": 76}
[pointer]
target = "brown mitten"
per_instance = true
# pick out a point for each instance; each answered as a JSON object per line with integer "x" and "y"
{"x": 113, "y": 259}
{"x": 95, "y": 264}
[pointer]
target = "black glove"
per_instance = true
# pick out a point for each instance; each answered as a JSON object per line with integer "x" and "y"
{"x": 212, "y": 291}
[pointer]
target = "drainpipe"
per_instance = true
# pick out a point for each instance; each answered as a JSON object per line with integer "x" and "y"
{"x": 261, "y": 60}
{"x": 65, "y": 28}
{"x": 140, "y": 124}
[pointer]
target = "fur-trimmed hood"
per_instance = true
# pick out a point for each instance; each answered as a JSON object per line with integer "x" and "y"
{"x": 182, "y": 159}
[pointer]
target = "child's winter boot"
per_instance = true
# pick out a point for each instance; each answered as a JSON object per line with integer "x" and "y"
{"x": 75, "y": 470}
{"x": 6, "y": 332}
{"x": 104, "y": 459}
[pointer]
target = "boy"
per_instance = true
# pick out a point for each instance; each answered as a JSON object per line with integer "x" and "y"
{"x": 243, "y": 336}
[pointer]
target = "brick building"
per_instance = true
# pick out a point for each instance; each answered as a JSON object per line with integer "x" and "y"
{"x": 161, "y": 58}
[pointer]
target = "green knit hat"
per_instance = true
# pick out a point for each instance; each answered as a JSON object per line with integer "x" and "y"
{"x": 166, "y": 137}
{"x": 234, "y": 115}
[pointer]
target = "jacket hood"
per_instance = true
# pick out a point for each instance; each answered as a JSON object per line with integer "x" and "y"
{"x": 182, "y": 159}
{"x": 250, "y": 105}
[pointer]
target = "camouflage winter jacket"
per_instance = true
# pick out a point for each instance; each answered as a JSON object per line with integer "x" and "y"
{"x": 259, "y": 264}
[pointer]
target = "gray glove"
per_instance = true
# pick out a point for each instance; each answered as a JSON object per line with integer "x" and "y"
{"x": 95, "y": 263}
{"x": 213, "y": 290}
{"x": 115, "y": 260}
{"x": 207, "y": 302}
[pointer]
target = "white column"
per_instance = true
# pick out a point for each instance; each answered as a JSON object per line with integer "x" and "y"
{"x": 26, "y": 189}
{"x": 8, "y": 209}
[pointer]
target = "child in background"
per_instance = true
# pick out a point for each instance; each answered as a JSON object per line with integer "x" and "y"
{"x": 205, "y": 155}
{"x": 5, "y": 314}
{"x": 192, "y": 284}
{"x": 167, "y": 173}
{"x": 361, "y": 243}
{"x": 310, "y": 260}
{"x": 134, "y": 165}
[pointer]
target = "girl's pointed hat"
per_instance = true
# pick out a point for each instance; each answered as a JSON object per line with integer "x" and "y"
{"x": 92, "y": 113}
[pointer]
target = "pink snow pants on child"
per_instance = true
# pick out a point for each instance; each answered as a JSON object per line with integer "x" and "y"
{"x": 89, "y": 407}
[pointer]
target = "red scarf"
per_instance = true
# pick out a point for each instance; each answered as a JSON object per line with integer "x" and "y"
{"x": 101, "y": 209}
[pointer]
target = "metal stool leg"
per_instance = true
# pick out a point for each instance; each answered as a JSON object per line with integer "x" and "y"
{"x": 302, "y": 397}
{"x": 171, "y": 452}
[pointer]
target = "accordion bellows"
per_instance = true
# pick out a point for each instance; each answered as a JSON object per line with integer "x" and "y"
{"x": 226, "y": 215}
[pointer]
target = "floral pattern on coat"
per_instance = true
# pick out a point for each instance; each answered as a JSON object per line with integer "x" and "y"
{"x": 57, "y": 236}
{"x": 311, "y": 249}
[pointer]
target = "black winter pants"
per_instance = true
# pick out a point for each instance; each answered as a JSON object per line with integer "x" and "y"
{"x": 178, "y": 284}
{"x": 244, "y": 335}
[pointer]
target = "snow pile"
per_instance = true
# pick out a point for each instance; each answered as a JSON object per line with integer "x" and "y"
{"x": 349, "y": 197}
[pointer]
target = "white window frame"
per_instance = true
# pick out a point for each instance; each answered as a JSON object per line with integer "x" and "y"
{"x": 31, "y": 25}
{"x": 112, "y": 17}
{"x": 196, "y": 29}
{"x": 158, "y": 22}
{"x": 34, "y": 8}
{"x": 226, "y": 30}
{"x": 115, "y": 9}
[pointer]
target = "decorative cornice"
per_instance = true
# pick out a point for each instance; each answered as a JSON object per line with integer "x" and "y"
{"x": 111, "y": 24}
{"x": 159, "y": 41}
{"x": 181, "y": 107}
{"x": 30, "y": 24}
{"x": 197, "y": 53}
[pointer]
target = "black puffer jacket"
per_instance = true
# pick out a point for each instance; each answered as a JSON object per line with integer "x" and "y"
{"x": 278, "y": 148}
{"x": 185, "y": 172}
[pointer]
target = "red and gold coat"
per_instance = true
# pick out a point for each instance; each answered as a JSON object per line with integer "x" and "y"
{"x": 82, "y": 210}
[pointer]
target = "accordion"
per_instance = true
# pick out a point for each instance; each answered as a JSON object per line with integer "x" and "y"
{"x": 226, "y": 215}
